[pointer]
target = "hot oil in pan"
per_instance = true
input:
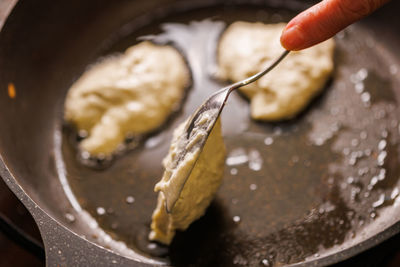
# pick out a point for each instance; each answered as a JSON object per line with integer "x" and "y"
{"x": 291, "y": 190}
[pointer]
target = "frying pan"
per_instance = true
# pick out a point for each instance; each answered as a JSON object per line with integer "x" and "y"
{"x": 342, "y": 199}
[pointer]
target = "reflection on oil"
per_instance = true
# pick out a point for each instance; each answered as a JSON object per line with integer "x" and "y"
{"x": 291, "y": 190}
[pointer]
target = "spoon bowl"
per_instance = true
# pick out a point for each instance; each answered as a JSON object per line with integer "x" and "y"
{"x": 204, "y": 119}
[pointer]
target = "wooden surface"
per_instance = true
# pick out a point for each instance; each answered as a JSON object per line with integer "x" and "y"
{"x": 11, "y": 253}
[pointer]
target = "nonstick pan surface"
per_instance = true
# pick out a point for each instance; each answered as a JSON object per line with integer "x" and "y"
{"x": 317, "y": 189}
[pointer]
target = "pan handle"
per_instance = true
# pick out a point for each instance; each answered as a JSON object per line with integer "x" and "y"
{"x": 65, "y": 248}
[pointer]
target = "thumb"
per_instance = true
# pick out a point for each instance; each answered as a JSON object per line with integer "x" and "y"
{"x": 324, "y": 20}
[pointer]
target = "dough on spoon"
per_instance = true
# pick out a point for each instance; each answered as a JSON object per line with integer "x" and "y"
{"x": 130, "y": 94}
{"x": 247, "y": 48}
{"x": 199, "y": 189}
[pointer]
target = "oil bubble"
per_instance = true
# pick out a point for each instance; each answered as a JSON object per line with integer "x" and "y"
{"x": 70, "y": 218}
{"x": 130, "y": 199}
{"x": 268, "y": 141}
{"x": 380, "y": 201}
{"x": 382, "y": 144}
{"x": 253, "y": 187}
{"x": 234, "y": 171}
{"x": 265, "y": 262}
{"x": 100, "y": 211}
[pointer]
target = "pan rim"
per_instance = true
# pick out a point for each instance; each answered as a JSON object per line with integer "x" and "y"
{"x": 39, "y": 215}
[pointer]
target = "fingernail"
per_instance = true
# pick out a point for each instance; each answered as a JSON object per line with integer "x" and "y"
{"x": 292, "y": 38}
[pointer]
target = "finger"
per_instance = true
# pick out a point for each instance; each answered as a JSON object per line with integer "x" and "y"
{"x": 324, "y": 20}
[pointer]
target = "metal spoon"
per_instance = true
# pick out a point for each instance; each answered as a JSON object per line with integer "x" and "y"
{"x": 202, "y": 121}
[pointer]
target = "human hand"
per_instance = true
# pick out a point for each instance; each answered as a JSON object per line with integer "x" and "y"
{"x": 324, "y": 20}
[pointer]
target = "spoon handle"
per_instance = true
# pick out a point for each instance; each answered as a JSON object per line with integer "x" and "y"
{"x": 258, "y": 75}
